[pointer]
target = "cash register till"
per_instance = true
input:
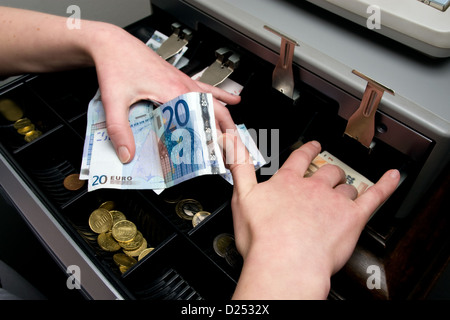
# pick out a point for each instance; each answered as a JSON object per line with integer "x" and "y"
{"x": 309, "y": 70}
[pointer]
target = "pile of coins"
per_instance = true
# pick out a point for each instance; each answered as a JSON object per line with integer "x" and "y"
{"x": 190, "y": 209}
{"x": 12, "y": 112}
{"x": 225, "y": 247}
{"x": 116, "y": 233}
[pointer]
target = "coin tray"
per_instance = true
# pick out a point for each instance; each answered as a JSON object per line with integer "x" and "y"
{"x": 49, "y": 161}
{"x": 183, "y": 264}
{"x": 35, "y": 109}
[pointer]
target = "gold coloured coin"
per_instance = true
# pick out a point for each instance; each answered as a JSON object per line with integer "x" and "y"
{"x": 10, "y": 110}
{"x": 124, "y": 230}
{"x": 199, "y": 217}
{"x": 221, "y": 243}
{"x": 123, "y": 269}
{"x": 134, "y": 243}
{"x": 32, "y": 135}
{"x": 100, "y": 220}
{"x": 137, "y": 252}
{"x": 107, "y": 242}
{"x": 117, "y": 216}
{"x": 121, "y": 259}
{"x": 144, "y": 253}
{"x": 73, "y": 183}
{"x": 187, "y": 208}
{"x": 25, "y": 129}
{"x": 170, "y": 196}
{"x": 108, "y": 205}
{"x": 22, "y": 123}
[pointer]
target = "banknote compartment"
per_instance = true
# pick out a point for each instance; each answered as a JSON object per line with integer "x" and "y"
{"x": 27, "y": 105}
{"x": 179, "y": 267}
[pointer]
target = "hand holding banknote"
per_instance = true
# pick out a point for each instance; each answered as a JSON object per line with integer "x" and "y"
{"x": 143, "y": 75}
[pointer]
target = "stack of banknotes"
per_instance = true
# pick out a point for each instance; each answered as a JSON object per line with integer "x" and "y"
{"x": 175, "y": 142}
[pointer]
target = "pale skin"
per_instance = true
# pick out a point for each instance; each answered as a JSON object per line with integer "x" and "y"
{"x": 127, "y": 70}
{"x": 294, "y": 233}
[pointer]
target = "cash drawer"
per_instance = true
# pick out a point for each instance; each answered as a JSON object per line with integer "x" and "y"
{"x": 184, "y": 263}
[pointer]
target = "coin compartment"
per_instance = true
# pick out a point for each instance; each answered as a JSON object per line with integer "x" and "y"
{"x": 204, "y": 236}
{"x": 211, "y": 191}
{"x": 155, "y": 229}
{"x": 67, "y": 93}
{"x": 48, "y": 161}
{"x": 41, "y": 117}
{"x": 190, "y": 268}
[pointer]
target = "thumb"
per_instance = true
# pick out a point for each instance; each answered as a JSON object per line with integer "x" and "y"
{"x": 119, "y": 130}
{"x": 239, "y": 161}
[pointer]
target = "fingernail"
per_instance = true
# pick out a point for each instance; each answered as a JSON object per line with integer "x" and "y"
{"x": 394, "y": 174}
{"x": 124, "y": 154}
{"x": 315, "y": 143}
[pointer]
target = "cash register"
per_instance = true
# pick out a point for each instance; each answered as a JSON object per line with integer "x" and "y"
{"x": 375, "y": 99}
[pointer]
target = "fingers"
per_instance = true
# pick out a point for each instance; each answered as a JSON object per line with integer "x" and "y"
{"x": 331, "y": 175}
{"x": 239, "y": 161}
{"x": 119, "y": 131}
{"x": 223, "y": 117}
{"x": 300, "y": 159}
{"x": 347, "y": 190}
{"x": 219, "y": 94}
{"x": 373, "y": 197}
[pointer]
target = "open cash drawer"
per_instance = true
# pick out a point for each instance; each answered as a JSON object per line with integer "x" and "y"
{"x": 184, "y": 263}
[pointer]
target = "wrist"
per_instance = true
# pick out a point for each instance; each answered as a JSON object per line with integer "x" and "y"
{"x": 282, "y": 273}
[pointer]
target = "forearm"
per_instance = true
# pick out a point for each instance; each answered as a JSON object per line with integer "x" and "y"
{"x": 270, "y": 274}
{"x": 37, "y": 42}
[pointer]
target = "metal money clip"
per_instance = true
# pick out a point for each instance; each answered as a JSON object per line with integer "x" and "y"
{"x": 283, "y": 76}
{"x": 361, "y": 125}
{"x": 176, "y": 42}
{"x": 226, "y": 62}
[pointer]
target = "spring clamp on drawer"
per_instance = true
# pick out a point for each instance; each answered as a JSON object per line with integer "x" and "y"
{"x": 361, "y": 125}
{"x": 283, "y": 75}
{"x": 176, "y": 42}
{"x": 226, "y": 62}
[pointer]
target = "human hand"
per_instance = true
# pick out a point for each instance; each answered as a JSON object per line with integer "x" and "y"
{"x": 295, "y": 232}
{"x": 128, "y": 71}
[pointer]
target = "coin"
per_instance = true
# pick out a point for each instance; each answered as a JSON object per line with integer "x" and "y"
{"x": 32, "y": 135}
{"x": 221, "y": 243}
{"x": 134, "y": 243}
{"x": 108, "y": 205}
{"x": 124, "y": 230}
{"x": 10, "y": 110}
{"x": 232, "y": 256}
{"x": 199, "y": 217}
{"x": 123, "y": 269}
{"x": 107, "y": 242}
{"x": 144, "y": 253}
{"x": 72, "y": 182}
{"x": 121, "y": 259}
{"x": 137, "y": 252}
{"x": 171, "y": 197}
{"x": 187, "y": 208}
{"x": 22, "y": 123}
{"x": 100, "y": 220}
{"x": 25, "y": 129}
{"x": 117, "y": 216}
